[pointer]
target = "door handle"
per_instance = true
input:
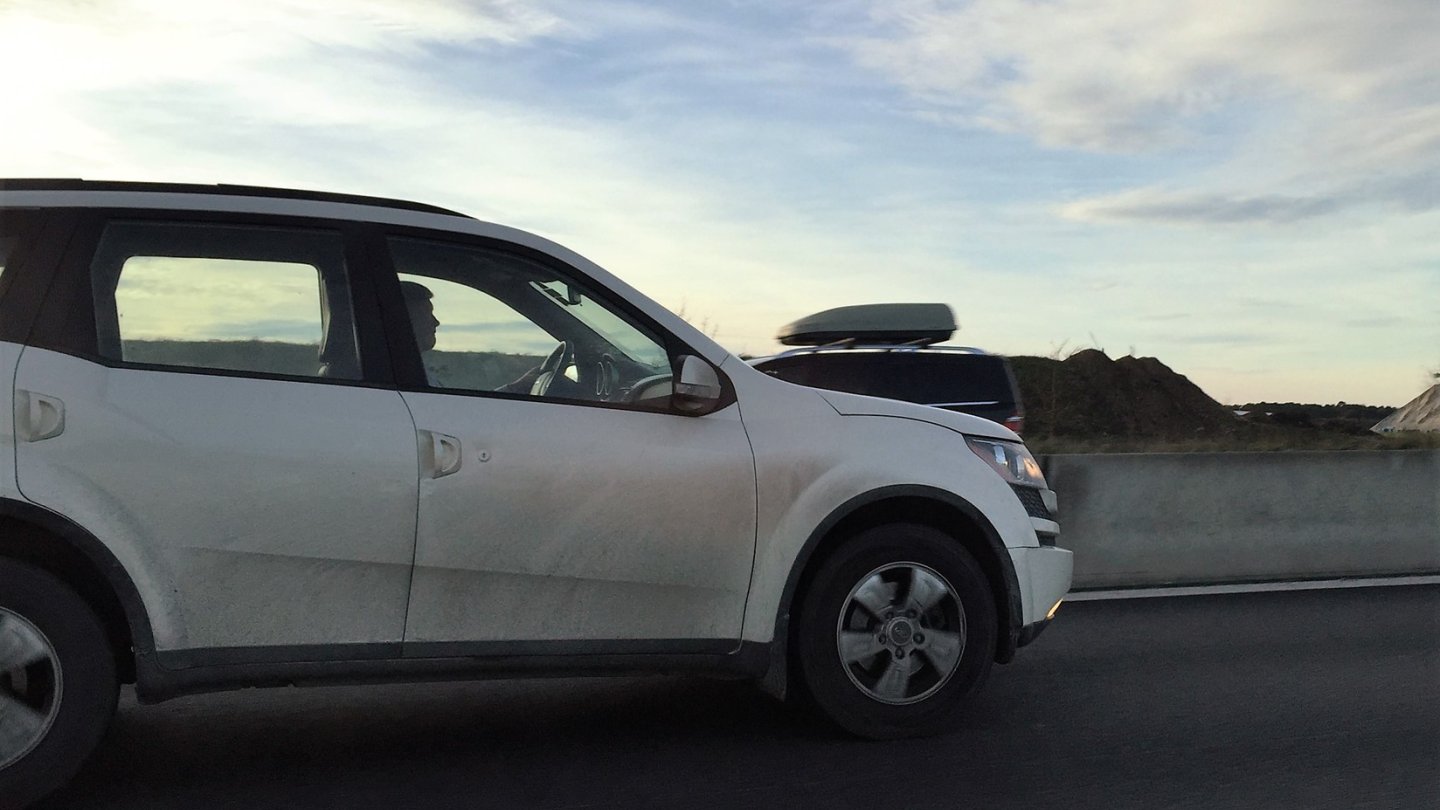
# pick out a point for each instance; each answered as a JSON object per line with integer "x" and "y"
{"x": 38, "y": 417}
{"x": 439, "y": 454}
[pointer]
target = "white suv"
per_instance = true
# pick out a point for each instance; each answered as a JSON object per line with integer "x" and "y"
{"x": 268, "y": 437}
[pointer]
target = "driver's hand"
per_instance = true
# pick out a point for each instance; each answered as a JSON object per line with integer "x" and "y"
{"x": 521, "y": 384}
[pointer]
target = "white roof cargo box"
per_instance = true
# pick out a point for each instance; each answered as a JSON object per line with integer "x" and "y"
{"x": 872, "y": 323}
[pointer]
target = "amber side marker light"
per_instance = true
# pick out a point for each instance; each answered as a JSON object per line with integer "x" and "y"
{"x": 1053, "y": 610}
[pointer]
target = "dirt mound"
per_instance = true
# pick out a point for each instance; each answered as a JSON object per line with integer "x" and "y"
{"x": 1088, "y": 394}
{"x": 1422, "y": 413}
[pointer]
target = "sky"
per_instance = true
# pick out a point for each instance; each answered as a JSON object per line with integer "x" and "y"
{"x": 1248, "y": 190}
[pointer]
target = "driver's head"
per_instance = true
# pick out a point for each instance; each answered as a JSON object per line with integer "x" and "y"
{"x": 422, "y": 313}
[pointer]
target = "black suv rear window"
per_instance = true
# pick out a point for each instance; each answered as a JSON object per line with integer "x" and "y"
{"x": 7, "y": 244}
{"x": 929, "y": 378}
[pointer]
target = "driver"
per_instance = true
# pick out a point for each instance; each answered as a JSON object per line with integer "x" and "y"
{"x": 422, "y": 319}
{"x": 419, "y": 302}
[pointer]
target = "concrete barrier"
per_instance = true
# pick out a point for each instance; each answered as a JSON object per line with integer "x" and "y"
{"x": 1206, "y": 518}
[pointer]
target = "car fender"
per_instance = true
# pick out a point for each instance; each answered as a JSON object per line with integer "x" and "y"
{"x": 814, "y": 466}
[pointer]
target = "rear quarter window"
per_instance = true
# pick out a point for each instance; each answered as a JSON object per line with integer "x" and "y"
{"x": 267, "y": 300}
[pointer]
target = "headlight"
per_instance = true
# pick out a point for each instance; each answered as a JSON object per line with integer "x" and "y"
{"x": 1010, "y": 459}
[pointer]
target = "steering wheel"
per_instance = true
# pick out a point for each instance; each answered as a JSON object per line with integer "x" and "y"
{"x": 553, "y": 366}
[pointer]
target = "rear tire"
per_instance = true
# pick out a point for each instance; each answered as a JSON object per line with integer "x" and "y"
{"x": 58, "y": 685}
{"x": 896, "y": 633}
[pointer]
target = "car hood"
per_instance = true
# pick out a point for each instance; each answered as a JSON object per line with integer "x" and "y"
{"x": 857, "y": 405}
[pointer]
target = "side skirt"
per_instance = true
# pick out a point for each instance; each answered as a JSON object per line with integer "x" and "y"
{"x": 170, "y": 674}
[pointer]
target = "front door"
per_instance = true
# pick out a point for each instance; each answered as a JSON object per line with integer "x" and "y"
{"x": 561, "y": 500}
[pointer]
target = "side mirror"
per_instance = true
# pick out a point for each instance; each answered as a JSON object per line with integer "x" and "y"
{"x": 697, "y": 386}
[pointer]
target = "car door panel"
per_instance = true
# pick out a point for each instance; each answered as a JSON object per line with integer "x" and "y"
{"x": 268, "y": 512}
{"x": 193, "y": 397}
{"x": 569, "y": 522}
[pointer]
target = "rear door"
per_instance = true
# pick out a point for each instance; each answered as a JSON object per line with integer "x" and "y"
{"x": 204, "y": 394}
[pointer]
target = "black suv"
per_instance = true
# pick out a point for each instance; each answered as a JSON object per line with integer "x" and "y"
{"x": 888, "y": 350}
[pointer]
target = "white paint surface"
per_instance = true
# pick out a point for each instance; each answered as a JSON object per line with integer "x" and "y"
{"x": 584, "y": 522}
{"x": 248, "y": 512}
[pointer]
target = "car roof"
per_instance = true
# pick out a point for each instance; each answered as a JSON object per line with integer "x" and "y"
{"x": 80, "y": 189}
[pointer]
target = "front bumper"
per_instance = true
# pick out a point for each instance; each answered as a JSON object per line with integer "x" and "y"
{"x": 1030, "y": 632}
{"x": 1044, "y": 574}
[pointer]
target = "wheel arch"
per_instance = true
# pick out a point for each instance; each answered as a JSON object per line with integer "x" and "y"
{"x": 929, "y": 506}
{"x": 46, "y": 540}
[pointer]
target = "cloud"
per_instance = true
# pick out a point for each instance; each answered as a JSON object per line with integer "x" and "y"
{"x": 174, "y": 87}
{"x": 452, "y": 103}
{"x": 292, "y": 331}
{"x": 1209, "y": 339}
{"x": 1114, "y": 75}
{"x": 369, "y": 97}
{"x": 1284, "y": 111}
{"x": 732, "y": 157}
{"x": 1147, "y": 205}
{"x": 1413, "y": 193}
{"x": 1377, "y": 322}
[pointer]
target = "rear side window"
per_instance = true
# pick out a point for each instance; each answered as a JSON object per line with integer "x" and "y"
{"x": 927, "y": 378}
{"x": 234, "y": 298}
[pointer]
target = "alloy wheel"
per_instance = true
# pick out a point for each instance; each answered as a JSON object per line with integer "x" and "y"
{"x": 30, "y": 687}
{"x": 901, "y": 633}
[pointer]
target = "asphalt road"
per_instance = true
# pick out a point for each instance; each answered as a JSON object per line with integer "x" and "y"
{"x": 1312, "y": 699}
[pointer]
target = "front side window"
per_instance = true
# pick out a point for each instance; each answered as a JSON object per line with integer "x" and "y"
{"x": 490, "y": 320}
{"x": 264, "y": 300}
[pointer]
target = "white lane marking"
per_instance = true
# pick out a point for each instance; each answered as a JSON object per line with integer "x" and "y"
{"x": 1253, "y": 587}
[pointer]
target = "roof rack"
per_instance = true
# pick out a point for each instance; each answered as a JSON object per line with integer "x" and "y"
{"x": 878, "y": 324}
{"x": 76, "y": 184}
{"x": 851, "y": 346}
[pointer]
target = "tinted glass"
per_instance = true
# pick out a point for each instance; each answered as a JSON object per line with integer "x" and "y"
{"x": 480, "y": 344}
{"x": 18, "y": 237}
{"x": 264, "y": 300}
{"x": 486, "y": 319}
{"x": 928, "y": 378}
{"x": 7, "y": 244}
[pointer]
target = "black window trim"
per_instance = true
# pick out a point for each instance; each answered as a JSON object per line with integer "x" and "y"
{"x": 220, "y": 190}
{"x": 405, "y": 353}
{"x": 66, "y": 317}
{"x": 30, "y": 272}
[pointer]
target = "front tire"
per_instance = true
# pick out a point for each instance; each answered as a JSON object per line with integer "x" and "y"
{"x": 896, "y": 632}
{"x": 58, "y": 685}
